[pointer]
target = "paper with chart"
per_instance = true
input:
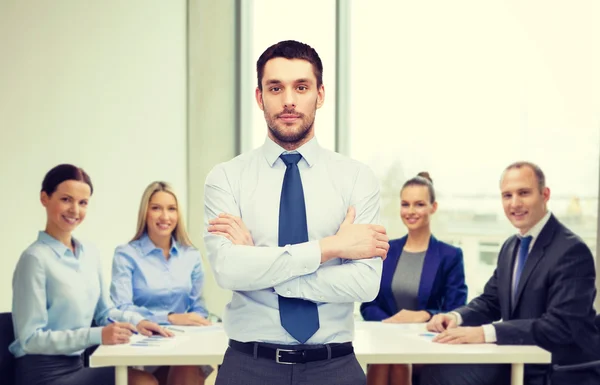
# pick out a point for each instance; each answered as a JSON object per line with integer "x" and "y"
{"x": 182, "y": 330}
{"x": 155, "y": 341}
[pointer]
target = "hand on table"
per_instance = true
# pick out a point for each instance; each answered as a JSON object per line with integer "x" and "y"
{"x": 188, "y": 319}
{"x": 440, "y": 322}
{"x": 148, "y": 328}
{"x": 461, "y": 335}
{"x": 117, "y": 333}
{"x": 408, "y": 316}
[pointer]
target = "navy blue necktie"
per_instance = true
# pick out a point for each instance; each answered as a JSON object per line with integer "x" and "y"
{"x": 521, "y": 259}
{"x": 298, "y": 316}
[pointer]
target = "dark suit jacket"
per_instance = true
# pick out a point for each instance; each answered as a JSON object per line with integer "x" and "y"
{"x": 442, "y": 287}
{"x": 553, "y": 307}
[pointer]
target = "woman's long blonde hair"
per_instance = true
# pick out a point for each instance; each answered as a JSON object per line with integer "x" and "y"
{"x": 180, "y": 234}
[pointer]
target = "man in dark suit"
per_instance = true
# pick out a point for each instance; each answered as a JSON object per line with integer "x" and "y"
{"x": 543, "y": 290}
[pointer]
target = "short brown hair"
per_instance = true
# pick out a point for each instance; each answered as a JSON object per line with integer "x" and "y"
{"x": 539, "y": 174}
{"x": 290, "y": 49}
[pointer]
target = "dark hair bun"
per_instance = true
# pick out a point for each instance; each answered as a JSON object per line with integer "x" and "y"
{"x": 425, "y": 174}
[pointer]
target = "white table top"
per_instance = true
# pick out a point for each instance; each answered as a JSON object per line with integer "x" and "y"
{"x": 374, "y": 343}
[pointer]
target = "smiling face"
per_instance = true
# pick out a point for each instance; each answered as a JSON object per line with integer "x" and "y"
{"x": 416, "y": 207}
{"x": 289, "y": 99}
{"x": 523, "y": 202}
{"x": 162, "y": 215}
{"x": 66, "y": 207}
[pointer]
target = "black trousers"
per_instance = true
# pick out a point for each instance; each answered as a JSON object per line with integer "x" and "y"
{"x": 40, "y": 369}
{"x": 490, "y": 374}
{"x": 243, "y": 369}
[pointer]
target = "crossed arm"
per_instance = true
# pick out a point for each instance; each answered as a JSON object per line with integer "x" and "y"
{"x": 295, "y": 270}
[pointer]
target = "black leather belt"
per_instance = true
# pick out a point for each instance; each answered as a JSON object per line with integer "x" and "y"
{"x": 289, "y": 355}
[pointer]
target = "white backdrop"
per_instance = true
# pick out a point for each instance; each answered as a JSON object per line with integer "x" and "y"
{"x": 98, "y": 84}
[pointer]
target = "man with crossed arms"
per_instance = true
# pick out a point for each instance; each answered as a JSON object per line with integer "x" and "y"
{"x": 291, "y": 230}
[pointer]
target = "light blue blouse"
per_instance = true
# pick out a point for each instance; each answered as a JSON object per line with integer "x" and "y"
{"x": 56, "y": 295}
{"x": 144, "y": 281}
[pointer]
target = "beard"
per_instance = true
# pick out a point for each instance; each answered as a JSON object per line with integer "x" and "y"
{"x": 290, "y": 133}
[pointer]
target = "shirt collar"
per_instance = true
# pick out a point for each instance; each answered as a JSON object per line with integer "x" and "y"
{"x": 148, "y": 246}
{"x": 535, "y": 231}
{"x": 60, "y": 248}
{"x": 308, "y": 150}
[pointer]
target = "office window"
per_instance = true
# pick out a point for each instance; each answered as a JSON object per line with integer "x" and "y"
{"x": 488, "y": 253}
{"x": 266, "y": 22}
{"x": 462, "y": 89}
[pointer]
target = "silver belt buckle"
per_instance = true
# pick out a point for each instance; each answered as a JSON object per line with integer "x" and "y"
{"x": 278, "y": 356}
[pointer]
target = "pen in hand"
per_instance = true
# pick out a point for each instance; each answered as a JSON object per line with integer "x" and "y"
{"x": 112, "y": 321}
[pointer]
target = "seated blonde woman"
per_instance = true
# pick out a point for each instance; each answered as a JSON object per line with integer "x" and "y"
{"x": 159, "y": 274}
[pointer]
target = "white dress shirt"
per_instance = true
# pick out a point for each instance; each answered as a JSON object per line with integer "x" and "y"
{"x": 489, "y": 331}
{"x": 249, "y": 186}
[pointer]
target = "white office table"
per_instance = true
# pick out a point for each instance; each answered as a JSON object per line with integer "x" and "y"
{"x": 374, "y": 343}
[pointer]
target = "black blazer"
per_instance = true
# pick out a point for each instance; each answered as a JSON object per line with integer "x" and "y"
{"x": 553, "y": 307}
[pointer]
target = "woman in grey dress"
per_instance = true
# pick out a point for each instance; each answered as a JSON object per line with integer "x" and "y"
{"x": 422, "y": 276}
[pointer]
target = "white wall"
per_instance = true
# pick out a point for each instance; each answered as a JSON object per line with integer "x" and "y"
{"x": 98, "y": 84}
{"x": 212, "y": 114}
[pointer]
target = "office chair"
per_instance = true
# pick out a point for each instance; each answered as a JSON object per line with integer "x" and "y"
{"x": 7, "y": 360}
{"x": 585, "y": 365}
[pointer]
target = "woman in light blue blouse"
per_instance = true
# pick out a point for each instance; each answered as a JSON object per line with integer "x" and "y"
{"x": 159, "y": 274}
{"x": 58, "y": 291}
